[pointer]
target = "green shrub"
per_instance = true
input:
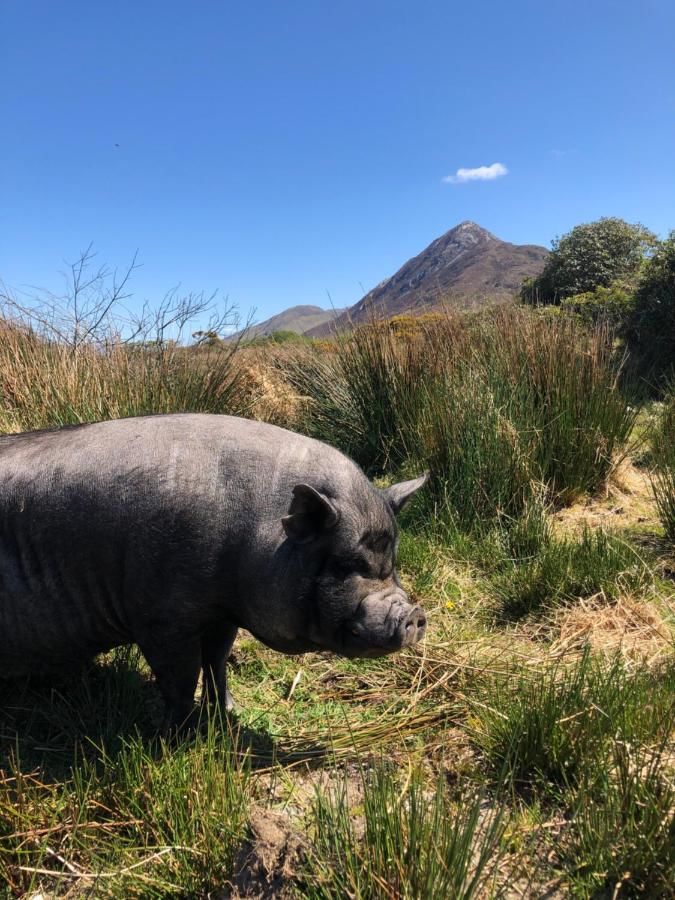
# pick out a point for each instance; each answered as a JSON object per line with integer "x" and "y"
{"x": 651, "y": 333}
{"x": 610, "y": 306}
{"x": 663, "y": 472}
{"x": 589, "y": 256}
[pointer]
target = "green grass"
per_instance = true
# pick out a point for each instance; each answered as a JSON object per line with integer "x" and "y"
{"x": 554, "y": 729}
{"x": 504, "y": 409}
{"x": 567, "y": 569}
{"x": 411, "y": 841}
{"x": 621, "y": 840}
{"x": 148, "y": 821}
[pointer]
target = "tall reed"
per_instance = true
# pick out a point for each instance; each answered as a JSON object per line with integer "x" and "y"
{"x": 503, "y": 408}
{"x": 45, "y": 383}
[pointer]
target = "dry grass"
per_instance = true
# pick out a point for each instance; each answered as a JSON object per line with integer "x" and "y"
{"x": 635, "y": 628}
{"x": 626, "y": 502}
{"x": 46, "y": 384}
{"x": 273, "y": 398}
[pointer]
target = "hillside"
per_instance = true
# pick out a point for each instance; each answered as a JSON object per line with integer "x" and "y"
{"x": 297, "y": 318}
{"x": 464, "y": 267}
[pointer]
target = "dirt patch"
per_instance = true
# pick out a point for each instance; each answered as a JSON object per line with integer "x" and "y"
{"x": 269, "y": 863}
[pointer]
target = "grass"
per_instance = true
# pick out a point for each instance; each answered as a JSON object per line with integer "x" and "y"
{"x": 502, "y": 408}
{"x": 622, "y": 838}
{"x": 505, "y": 753}
{"x": 568, "y": 569}
{"x": 46, "y": 384}
{"x": 554, "y": 727}
{"x": 148, "y": 821}
{"x": 595, "y": 744}
{"x": 411, "y": 841}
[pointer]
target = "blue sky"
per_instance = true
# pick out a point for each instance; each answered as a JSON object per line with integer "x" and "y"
{"x": 281, "y": 152}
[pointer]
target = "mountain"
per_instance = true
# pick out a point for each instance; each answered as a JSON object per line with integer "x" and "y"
{"x": 465, "y": 267}
{"x": 296, "y": 318}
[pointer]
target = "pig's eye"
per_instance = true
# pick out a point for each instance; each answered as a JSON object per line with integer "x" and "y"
{"x": 344, "y": 568}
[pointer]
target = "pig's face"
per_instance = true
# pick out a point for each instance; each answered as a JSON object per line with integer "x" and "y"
{"x": 354, "y": 605}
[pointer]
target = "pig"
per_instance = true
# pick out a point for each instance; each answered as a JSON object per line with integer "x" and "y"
{"x": 174, "y": 531}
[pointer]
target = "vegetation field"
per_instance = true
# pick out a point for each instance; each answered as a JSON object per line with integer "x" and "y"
{"x": 525, "y": 749}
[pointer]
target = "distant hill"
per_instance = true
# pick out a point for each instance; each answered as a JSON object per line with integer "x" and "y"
{"x": 296, "y": 318}
{"x": 465, "y": 267}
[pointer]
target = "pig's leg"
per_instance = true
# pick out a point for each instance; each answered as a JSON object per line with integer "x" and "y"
{"x": 216, "y": 647}
{"x": 176, "y": 669}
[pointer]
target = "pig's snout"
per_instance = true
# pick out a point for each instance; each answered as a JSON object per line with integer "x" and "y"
{"x": 411, "y": 628}
{"x": 387, "y": 622}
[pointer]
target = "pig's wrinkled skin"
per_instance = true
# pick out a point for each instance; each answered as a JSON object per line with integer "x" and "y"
{"x": 174, "y": 531}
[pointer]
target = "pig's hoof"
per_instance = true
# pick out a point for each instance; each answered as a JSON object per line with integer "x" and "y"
{"x": 178, "y": 728}
{"x": 230, "y": 705}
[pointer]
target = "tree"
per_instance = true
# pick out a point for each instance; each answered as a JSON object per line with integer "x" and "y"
{"x": 590, "y": 256}
{"x": 651, "y": 331}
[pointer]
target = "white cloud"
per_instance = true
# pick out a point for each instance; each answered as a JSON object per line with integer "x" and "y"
{"x": 481, "y": 173}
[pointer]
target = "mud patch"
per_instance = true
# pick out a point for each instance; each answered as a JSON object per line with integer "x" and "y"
{"x": 269, "y": 863}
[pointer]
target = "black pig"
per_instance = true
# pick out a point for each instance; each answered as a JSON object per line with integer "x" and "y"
{"x": 174, "y": 531}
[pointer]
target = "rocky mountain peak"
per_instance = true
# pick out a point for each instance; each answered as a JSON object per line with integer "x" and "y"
{"x": 466, "y": 266}
{"x": 466, "y": 234}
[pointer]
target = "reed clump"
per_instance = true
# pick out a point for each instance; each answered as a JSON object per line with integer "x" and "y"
{"x": 503, "y": 408}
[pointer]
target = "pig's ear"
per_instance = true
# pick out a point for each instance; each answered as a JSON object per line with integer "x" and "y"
{"x": 311, "y": 512}
{"x": 397, "y": 495}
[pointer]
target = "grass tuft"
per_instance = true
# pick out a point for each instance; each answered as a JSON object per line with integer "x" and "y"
{"x": 550, "y": 729}
{"x": 567, "y": 569}
{"x": 405, "y": 842}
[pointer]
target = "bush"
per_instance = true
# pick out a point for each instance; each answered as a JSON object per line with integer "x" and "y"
{"x": 663, "y": 472}
{"x": 592, "y": 255}
{"x": 651, "y": 331}
{"x": 610, "y": 306}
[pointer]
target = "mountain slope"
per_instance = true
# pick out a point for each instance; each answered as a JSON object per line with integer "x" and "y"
{"x": 296, "y": 318}
{"x": 464, "y": 267}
